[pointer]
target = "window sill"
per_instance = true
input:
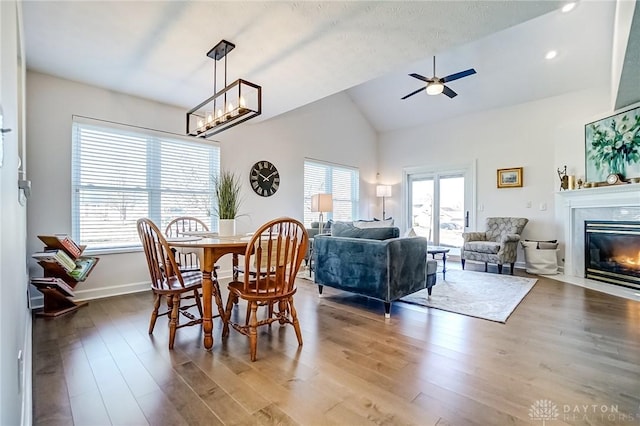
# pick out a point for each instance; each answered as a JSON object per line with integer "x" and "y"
{"x": 108, "y": 251}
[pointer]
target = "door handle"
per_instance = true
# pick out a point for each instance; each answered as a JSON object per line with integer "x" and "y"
{"x": 466, "y": 219}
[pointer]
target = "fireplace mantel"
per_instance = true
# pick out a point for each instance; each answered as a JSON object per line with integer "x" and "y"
{"x": 615, "y": 202}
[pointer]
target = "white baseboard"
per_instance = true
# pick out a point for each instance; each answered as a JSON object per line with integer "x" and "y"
{"x": 118, "y": 290}
{"x": 37, "y": 300}
{"x": 27, "y": 375}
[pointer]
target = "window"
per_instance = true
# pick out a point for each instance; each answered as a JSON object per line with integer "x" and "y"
{"x": 120, "y": 174}
{"x": 340, "y": 181}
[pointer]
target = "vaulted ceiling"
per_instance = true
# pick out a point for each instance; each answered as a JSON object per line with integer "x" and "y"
{"x": 300, "y": 52}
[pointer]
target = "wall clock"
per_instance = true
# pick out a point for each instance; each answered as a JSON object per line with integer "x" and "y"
{"x": 264, "y": 178}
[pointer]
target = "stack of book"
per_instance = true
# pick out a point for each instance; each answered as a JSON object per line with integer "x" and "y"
{"x": 51, "y": 282}
{"x": 58, "y": 256}
{"x": 56, "y": 240}
{"x": 83, "y": 266}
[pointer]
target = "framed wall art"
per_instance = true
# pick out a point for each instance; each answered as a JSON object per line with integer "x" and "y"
{"x": 510, "y": 178}
{"x": 612, "y": 146}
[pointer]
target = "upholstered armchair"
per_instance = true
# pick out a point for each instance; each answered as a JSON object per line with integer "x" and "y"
{"x": 498, "y": 244}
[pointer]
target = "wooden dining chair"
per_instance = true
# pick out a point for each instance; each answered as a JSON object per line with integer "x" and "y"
{"x": 276, "y": 250}
{"x": 187, "y": 261}
{"x": 168, "y": 281}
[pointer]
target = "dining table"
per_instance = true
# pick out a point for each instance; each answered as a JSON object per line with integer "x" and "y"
{"x": 211, "y": 248}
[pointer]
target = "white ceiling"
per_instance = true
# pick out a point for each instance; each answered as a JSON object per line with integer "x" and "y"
{"x": 300, "y": 52}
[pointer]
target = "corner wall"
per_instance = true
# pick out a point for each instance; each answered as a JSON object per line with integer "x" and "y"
{"x": 539, "y": 136}
{"x": 331, "y": 130}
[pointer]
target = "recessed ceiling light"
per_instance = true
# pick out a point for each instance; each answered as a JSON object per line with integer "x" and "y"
{"x": 551, "y": 54}
{"x": 568, "y": 7}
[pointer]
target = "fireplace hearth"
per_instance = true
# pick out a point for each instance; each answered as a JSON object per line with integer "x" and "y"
{"x": 612, "y": 252}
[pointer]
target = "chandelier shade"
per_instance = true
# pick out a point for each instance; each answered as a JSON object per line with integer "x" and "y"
{"x": 235, "y": 103}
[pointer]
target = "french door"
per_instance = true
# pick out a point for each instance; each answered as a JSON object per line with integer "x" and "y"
{"x": 440, "y": 204}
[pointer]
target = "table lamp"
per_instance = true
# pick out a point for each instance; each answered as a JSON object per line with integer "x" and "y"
{"x": 321, "y": 203}
{"x": 383, "y": 191}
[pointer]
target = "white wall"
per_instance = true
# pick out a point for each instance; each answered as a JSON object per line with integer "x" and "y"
{"x": 15, "y": 319}
{"x": 51, "y": 102}
{"x": 331, "y": 130}
{"x": 539, "y": 136}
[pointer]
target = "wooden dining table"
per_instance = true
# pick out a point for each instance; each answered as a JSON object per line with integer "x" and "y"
{"x": 212, "y": 249}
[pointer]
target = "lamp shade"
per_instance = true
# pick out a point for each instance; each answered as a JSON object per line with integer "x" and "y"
{"x": 321, "y": 203}
{"x": 383, "y": 191}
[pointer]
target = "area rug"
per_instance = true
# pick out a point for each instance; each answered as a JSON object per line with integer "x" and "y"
{"x": 477, "y": 294}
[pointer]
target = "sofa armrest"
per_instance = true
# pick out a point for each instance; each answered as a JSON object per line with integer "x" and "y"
{"x": 474, "y": 236}
{"x": 407, "y": 266}
{"x": 510, "y": 238}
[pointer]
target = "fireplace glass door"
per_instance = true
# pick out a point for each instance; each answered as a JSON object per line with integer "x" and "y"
{"x": 612, "y": 252}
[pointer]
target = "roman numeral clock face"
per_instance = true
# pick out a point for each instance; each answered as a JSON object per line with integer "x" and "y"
{"x": 264, "y": 178}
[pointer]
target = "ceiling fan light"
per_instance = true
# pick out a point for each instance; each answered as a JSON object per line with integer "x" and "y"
{"x": 435, "y": 88}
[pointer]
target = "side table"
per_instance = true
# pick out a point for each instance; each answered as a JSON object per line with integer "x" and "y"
{"x": 443, "y": 251}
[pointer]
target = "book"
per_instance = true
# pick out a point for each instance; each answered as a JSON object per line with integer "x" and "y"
{"x": 51, "y": 282}
{"x": 58, "y": 256}
{"x": 83, "y": 266}
{"x": 62, "y": 241}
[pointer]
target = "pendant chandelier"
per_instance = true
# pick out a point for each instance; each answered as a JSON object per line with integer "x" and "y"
{"x": 234, "y": 104}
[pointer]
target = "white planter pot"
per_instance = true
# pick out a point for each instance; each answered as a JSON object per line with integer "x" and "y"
{"x": 226, "y": 227}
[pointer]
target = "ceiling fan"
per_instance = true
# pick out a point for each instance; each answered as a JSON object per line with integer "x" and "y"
{"x": 435, "y": 85}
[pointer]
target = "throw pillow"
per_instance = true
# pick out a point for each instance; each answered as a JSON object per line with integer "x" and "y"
{"x": 410, "y": 233}
{"x": 362, "y": 224}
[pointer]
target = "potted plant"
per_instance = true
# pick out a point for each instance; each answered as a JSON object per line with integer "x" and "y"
{"x": 227, "y": 190}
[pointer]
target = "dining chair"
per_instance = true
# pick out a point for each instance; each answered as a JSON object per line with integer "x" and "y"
{"x": 168, "y": 281}
{"x": 187, "y": 260}
{"x": 276, "y": 251}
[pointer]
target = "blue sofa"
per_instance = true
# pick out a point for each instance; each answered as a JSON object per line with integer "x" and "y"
{"x": 373, "y": 262}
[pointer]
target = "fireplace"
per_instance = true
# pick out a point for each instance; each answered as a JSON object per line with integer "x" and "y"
{"x": 612, "y": 252}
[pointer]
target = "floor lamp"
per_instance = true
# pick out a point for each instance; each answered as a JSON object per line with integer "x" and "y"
{"x": 383, "y": 191}
{"x": 321, "y": 203}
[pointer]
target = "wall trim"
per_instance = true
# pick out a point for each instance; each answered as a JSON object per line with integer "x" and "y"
{"x": 37, "y": 300}
{"x": 27, "y": 373}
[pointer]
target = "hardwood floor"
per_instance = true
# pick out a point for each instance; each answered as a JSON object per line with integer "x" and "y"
{"x": 573, "y": 347}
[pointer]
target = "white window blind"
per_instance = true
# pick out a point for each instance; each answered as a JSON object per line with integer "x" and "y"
{"x": 340, "y": 181}
{"x": 120, "y": 174}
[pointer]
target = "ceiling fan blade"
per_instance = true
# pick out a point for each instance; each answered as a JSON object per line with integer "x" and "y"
{"x": 450, "y": 93}
{"x": 419, "y": 77}
{"x": 458, "y": 75}
{"x": 414, "y": 92}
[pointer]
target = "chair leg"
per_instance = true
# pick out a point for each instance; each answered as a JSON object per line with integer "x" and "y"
{"x": 283, "y": 308}
{"x": 485, "y": 267}
{"x": 227, "y": 315}
{"x": 512, "y": 265}
{"x": 196, "y": 295}
{"x": 294, "y": 321}
{"x": 173, "y": 322}
{"x": 499, "y": 268}
{"x": 154, "y": 314}
{"x": 462, "y": 260}
{"x": 253, "y": 330}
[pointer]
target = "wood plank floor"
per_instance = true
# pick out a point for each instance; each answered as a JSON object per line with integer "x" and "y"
{"x": 575, "y": 348}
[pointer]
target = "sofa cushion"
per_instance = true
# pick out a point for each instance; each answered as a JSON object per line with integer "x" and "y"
{"x": 346, "y": 229}
{"x": 489, "y": 247}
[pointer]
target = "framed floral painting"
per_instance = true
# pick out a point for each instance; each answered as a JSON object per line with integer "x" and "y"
{"x": 612, "y": 145}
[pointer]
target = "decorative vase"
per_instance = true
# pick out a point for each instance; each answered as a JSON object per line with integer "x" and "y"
{"x": 226, "y": 227}
{"x": 617, "y": 165}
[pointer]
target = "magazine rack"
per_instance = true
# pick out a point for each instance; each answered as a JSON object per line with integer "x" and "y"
{"x": 58, "y": 283}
